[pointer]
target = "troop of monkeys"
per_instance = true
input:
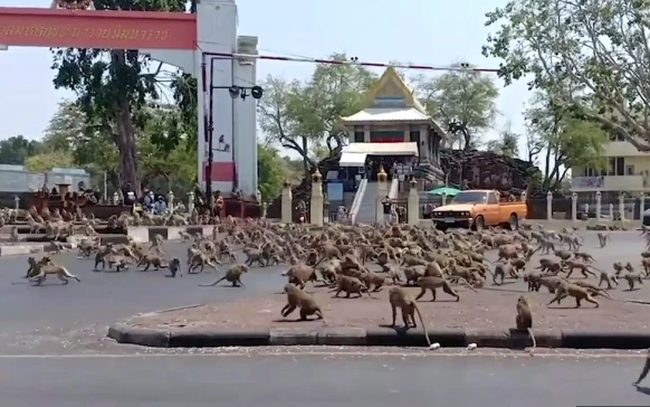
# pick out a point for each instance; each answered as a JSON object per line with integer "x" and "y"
{"x": 339, "y": 256}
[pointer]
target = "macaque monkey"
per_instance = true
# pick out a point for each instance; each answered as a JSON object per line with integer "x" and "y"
{"x": 524, "y": 320}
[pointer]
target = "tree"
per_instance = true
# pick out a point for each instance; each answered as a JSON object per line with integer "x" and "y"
{"x": 113, "y": 85}
{"x": 271, "y": 171}
{"x": 46, "y": 161}
{"x": 462, "y": 101}
{"x": 300, "y": 115}
{"x": 567, "y": 141}
{"x": 507, "y": 143}
{"x": 591, "y": 55}
{"x": 15, "y": 150}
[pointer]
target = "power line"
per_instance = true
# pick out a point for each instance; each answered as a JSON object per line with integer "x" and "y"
{"x": 352, "y": 61}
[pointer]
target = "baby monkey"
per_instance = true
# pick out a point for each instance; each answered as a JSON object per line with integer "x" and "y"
{"x": 524, "y": 320}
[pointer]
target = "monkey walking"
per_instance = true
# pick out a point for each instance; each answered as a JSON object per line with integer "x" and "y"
{"x": 399, "y": 298}
{"x": 233, "y": 276}
{"x": 524, "y": 320}
{"x": 644, "y": 372}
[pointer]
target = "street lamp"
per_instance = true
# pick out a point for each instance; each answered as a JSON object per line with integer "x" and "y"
{"x": 236, "y": 92}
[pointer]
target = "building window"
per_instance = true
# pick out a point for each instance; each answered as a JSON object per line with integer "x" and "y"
{"x": 629, "y": 170}
{"x": 359, "y": 136}
{"x": 620, "y": 165}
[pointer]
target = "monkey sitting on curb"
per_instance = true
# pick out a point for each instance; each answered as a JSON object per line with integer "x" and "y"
{"x": 524, "y": 320}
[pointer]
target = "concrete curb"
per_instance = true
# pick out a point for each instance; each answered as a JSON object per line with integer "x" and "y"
{"x": 17, "y": 250}
{"x": 146, "y": 233}
{"x": 376, "y": 336}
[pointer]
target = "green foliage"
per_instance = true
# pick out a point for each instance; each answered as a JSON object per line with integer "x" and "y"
{"x": 300, "y": 116}
{"x": 271, "y": 171}
{"x": 591, "y": 55}
{"x": 15, "y": 150}
{"x": 463, "y": 102}
{"x": 46, "y": 161}
{"x": 113, "y": 86}
{"x": 567, "y": 140}
{"x": 507, "y": 143}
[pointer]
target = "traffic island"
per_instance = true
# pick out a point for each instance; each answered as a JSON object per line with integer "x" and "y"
{"x": 485, "y": 318}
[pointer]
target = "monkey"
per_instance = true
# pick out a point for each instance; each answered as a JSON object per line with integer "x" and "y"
{"x": 608, "y": 278}
{"x": 118, "y": 261}
{"x": 593, "y": 290}
{"x": 255, "y": 255}
{"x": 575, "y": 291}
{"x": 501, "y": 269}
{"x": 549, "y": 265}
{"x": 399, "y": 298}
{"x": 200, "y": 260}
{"x": 618, "y": 268}
{"x": 44, "y": 267}
{"x": 149, "y": 260}
{"x": 373, "y": 279}
{"x": 646, "y": 267}
{"x": 13, "y": 235}
{"x": 603, "y": 238}
{"x": 185, "y": 236}
{"x": 584, "y": 268}
{"x": 519, "y": 265}
{"x": 297, "y": 298}
{"x": 350, "y": 285}
{"x": 633, "y": 278}
{"x": 233, "y": 275}
{"x": 646, "y": 368}
{"x": 431, "y": 283}
{"x": 584, "y": 256}
{"x": 156, "y": 243}
{"x": 551, "y": 282}
{"x": 175, "y": 267}
{"x": 524, "y": 320}
{"x": 546, "y": 246}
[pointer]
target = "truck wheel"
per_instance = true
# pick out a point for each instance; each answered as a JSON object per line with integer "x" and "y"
{"x": 513, "y": 221}
{"x": 479, "y": 223}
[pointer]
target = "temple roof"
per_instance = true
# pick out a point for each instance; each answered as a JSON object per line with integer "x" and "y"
{"x": 385, "y": 114}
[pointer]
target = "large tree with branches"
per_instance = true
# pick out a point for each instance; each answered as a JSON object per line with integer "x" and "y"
{"x": 114, "y": 86}
{"x": 592, "y": 56}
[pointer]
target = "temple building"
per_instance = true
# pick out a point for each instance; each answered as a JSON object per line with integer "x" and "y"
{"x": 395, "y": 131}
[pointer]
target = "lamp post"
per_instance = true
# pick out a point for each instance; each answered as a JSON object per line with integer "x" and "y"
{"x": 235, "y": 92}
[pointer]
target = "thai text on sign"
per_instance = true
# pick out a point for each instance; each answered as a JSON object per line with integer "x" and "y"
{"x": 69, "y": 32}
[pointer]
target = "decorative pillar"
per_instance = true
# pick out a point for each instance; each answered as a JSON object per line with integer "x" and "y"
{"x": 444, "y": 199}
{"x": 116, "y": 198}
{"x": 382, "y": 191}
{"x": 522, "y": 197}
{"x": 286, "y": 202}
{"x": 621, "y": 206}
{"x": 642, "y": 203}
{"x": 549, "y": 205}
{"x": 574, "y": 206}
{"x": 170, "y": 199}
{"x": 190, "y": 202}
{"x": 265, "y": 209}
{"x": 413, "y": 204}
{"x": 16, "y": 202}
{"x": 611, "y": 211}
{"x": 599, "y": 203}
{"x": 317, "y": 200}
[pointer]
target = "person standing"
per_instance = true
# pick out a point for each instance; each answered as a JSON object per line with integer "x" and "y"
{"x": 130, "y": 197}
{"x": 387, "y": 203}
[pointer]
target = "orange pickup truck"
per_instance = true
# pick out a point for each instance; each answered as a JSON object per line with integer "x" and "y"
{"x": 477, "y": 209}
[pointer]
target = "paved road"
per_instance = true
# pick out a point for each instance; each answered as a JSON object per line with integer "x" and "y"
{"x": 319, "y": 381}
{"x": 103, "y": 298}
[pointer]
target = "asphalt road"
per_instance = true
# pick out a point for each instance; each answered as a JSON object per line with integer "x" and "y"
{"x": 319, "y": 381}
{"x": 29, "y": 314}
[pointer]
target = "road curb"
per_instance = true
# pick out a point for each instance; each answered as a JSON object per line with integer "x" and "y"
{"x": 376, "y": 336}
{"x": 18, "y": 250}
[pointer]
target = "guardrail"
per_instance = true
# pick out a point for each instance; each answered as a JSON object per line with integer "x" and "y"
{"x": 356, "y": 202}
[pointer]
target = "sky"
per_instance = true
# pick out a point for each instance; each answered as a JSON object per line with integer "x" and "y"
{"x": 415, "y": 31}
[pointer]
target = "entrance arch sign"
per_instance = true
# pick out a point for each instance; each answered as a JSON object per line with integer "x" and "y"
{"x": 35, "y": 27}
{"x": 180, "y": 39}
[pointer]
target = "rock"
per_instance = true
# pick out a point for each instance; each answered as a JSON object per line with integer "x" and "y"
{"x": 487, "y": 170}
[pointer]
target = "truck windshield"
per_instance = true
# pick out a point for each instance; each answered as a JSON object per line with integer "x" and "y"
{"x": 470, "y": 197}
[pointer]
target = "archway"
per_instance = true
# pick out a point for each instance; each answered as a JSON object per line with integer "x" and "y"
{"x": 184, "y": 40}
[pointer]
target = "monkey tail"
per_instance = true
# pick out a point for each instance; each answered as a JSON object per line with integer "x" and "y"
{"x": 532, "y": 337}
{"x": 67, "y": 273}
{"x": 468, "y": 285}
{"x": 424, "y": 326}
{"x": 646, "y": 369}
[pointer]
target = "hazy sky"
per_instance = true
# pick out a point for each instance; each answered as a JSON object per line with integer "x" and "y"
{"x": 417, "y": 31}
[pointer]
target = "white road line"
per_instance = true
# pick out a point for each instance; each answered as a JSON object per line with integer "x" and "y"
{"x": 332, "y": 355}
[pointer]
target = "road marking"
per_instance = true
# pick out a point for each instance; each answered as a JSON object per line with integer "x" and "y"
{"x": 414, "y": 354}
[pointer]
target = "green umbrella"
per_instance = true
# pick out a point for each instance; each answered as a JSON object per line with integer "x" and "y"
{"x": 449, "y": 191}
